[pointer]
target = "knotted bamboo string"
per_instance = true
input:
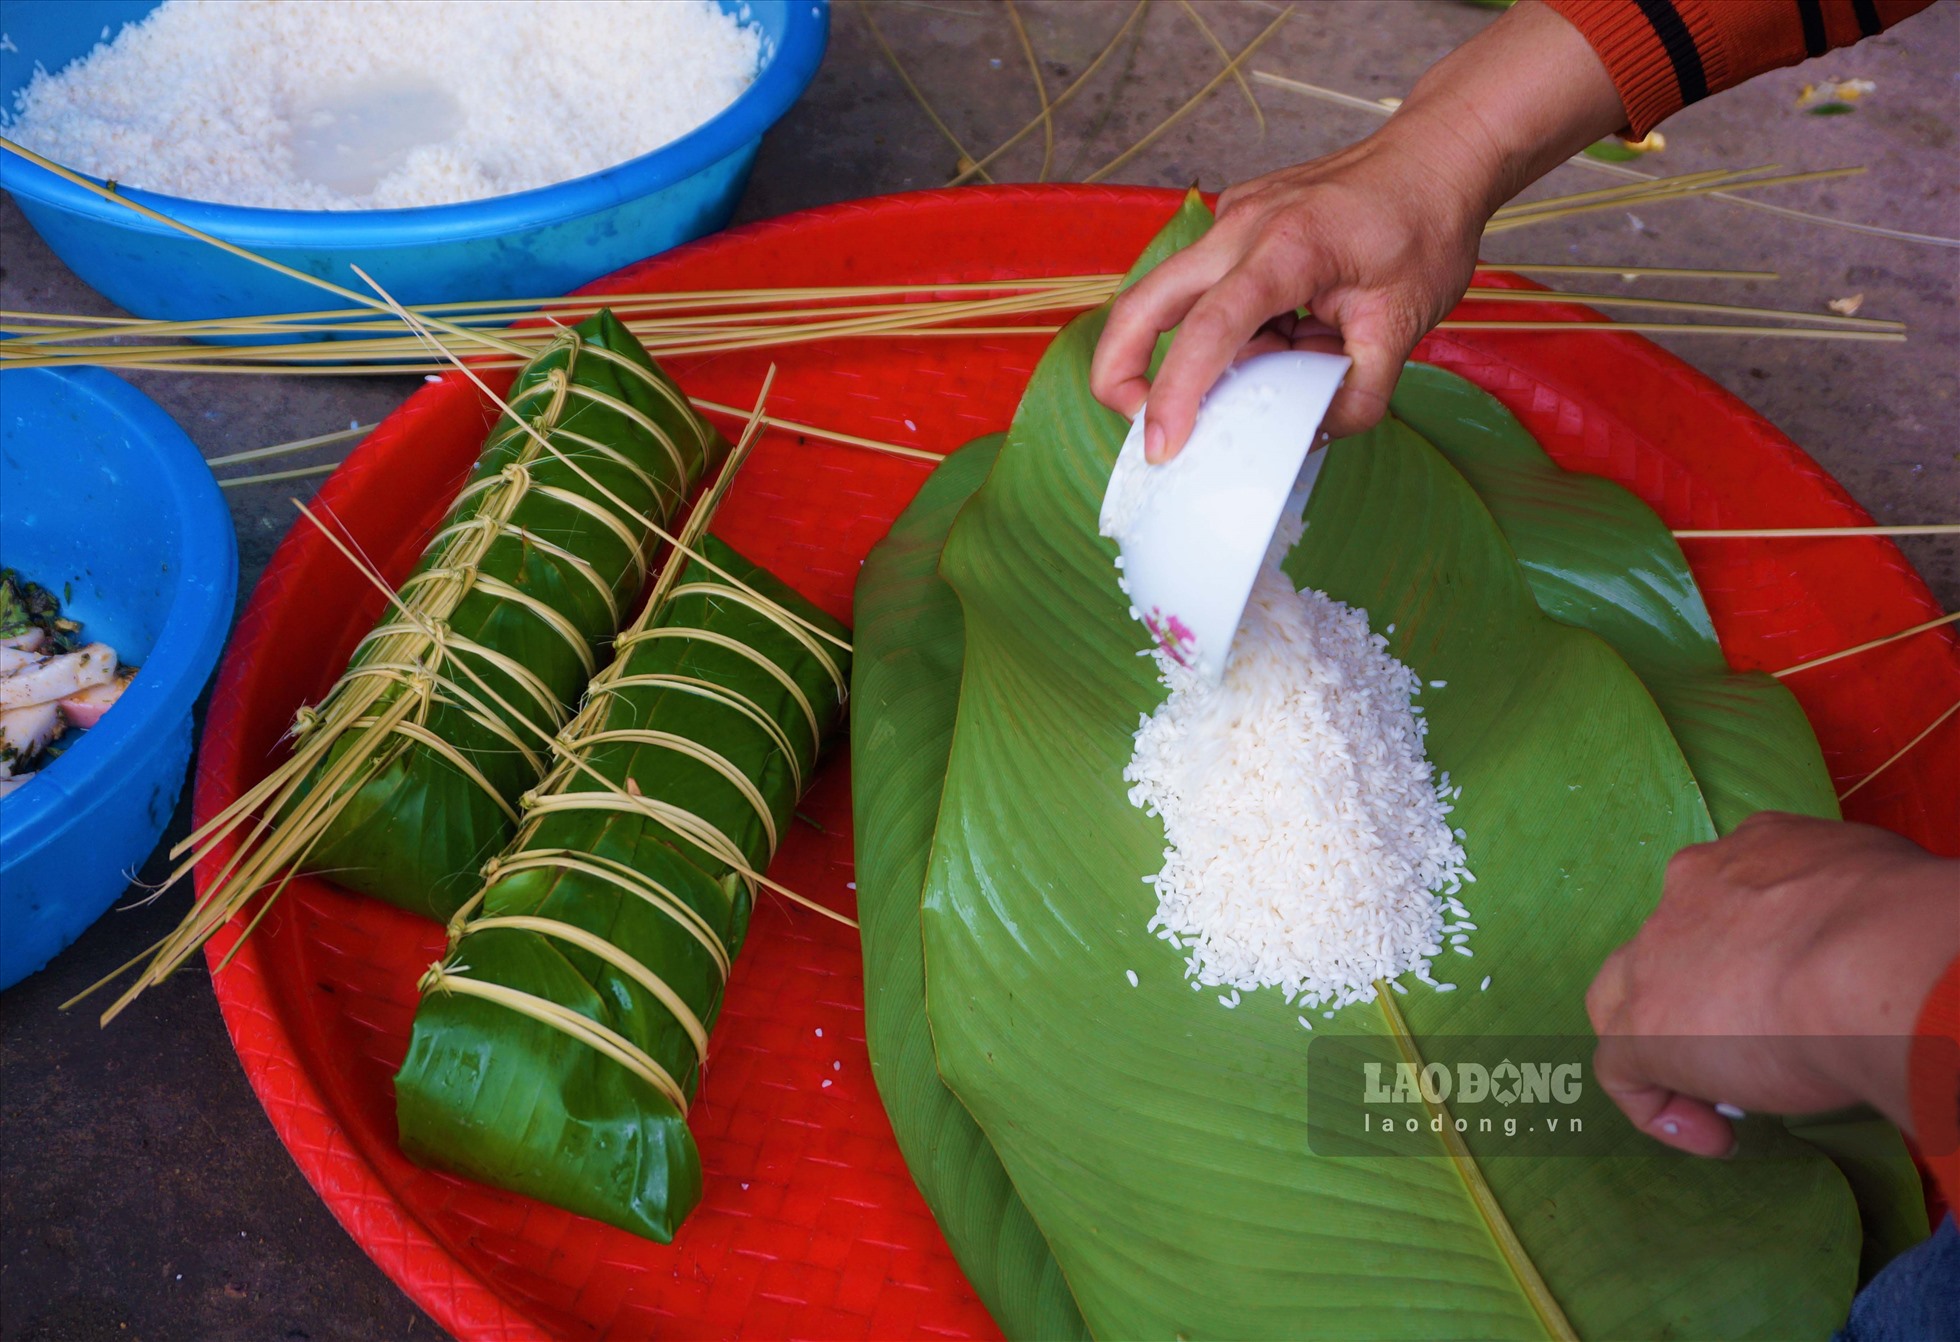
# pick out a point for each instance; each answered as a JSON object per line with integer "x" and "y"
{"x": 681, "y": 545}
{"x": 452, "y": 980}
{"x": 555, "y": 795}
{"x": 411, "y": 657}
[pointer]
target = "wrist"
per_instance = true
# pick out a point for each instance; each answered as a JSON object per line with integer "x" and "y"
{"x": 1857, "y": 992}
{"x": 1452, "y": 165}
{"x": 1513, "y": 103}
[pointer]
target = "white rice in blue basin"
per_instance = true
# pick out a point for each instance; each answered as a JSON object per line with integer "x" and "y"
{"x": 365, "y": 104}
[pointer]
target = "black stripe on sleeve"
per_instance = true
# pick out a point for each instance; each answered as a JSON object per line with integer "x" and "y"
{"x": 1869, "y": 24}
{"x": 1812, "y": 14}
{"x": 1680, "y": 47}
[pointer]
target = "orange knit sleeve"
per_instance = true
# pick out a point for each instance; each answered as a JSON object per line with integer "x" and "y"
{"x": 1664, "y": 54}
{"x": 1934, "y": 1080}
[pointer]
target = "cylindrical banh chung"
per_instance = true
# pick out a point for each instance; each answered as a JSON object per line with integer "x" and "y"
{"x": 559, "y": 1042}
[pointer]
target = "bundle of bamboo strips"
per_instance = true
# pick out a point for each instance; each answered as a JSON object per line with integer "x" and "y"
{"x": 741, "y": 320}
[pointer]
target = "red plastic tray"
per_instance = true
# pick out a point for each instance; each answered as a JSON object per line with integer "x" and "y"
{"x": 811, "y": 1226}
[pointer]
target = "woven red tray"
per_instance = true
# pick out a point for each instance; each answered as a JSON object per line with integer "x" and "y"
{"x": 811, "y": 1226}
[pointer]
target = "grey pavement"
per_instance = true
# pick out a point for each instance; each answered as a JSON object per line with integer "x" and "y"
{"x": 143, "y": 1193}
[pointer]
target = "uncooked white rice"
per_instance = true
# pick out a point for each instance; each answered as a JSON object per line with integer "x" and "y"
{"x": 1309, "y": 846}
{"x": 250, "y": 102}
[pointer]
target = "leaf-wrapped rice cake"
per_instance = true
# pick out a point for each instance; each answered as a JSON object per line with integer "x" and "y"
{"x": 405, "y": 778}
{"x": 559, "y": 1043}
{"x": 446, "y": 707}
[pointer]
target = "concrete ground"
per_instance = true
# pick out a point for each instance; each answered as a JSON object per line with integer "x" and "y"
{"x": 142, "y": 1192}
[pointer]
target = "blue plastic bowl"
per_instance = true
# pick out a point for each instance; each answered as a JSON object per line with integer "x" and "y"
{"x": 105, "y": 497}
{"x": 545, "y": 241}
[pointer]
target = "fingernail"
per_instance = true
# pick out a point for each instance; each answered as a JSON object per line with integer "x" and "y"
{"x": 1671, "y": 1128}
{"x": 1730, "y": 1111}
{"x": 1153, "y": 443}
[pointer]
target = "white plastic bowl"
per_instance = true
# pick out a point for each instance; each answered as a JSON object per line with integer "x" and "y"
{"x": 1194, "y": 530}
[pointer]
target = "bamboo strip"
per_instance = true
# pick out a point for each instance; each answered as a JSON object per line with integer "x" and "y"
{"x": 1047, "y": 117}
{"x": 924, "y": 104}
{"x": 361, "y": 335}
{"x": 1680, "y": 328}
{"x": 599, "y": 1038}
{"x": 1488, "y": 294}
{"x": 200, "y": 359}
{"x": 1628, "y": 272}
{"x": 1621, "y": 170}
{"x": 1775, "y": 533}
{"x": 1211, "y": 85}
{"x": 832, "y": 435}
{"x": 513, "y": 309}
{"x": 495, "y": 312}
{"x": 1238, "y": 75}
{"x": 1548, "y": 210}
{"x": 1867, "y": 646}
{"x": 966, "y": 174}
{"x": 402, "y": 348}
{"x": 270, "y": 477}
{"x": 762, "y": 304}
{"x": 718, "y": 331}
{"x": 877, "y": 320}
{"x": 297, "y": 445}
{"x": 1900, "y": 753}
{"x": 1615, "y": 195}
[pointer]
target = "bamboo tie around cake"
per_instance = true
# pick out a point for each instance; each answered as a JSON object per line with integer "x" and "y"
{"x": 405, "y": 778}
{"x": 559, "y": 1042}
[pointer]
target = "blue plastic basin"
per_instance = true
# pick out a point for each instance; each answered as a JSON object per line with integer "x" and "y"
{"x": 526, "y": 244}
{"x": 101, "y": 494}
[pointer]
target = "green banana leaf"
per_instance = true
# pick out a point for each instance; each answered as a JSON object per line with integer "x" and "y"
{"x": 905, "y": 688}
{"x": 623, "y": 901}
{"x": 906, "y": 682}
{"x": 556, "y": 581}
{"x": 907, "y": 675}
{"x": 1599, "y": 558}
{"x": 909, "y": 643}
{"x": 1155, "y": 1138}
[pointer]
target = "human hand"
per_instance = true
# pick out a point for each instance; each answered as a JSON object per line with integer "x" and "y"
{"x": 1377, "y": 242}
{"x": 1783, "y": 970}
{"x": 1369, "y": 240}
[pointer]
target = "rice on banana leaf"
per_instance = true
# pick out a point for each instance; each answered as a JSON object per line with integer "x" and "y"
{"x": 451, "y": 699}
{"x": 559, "y": 1043}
